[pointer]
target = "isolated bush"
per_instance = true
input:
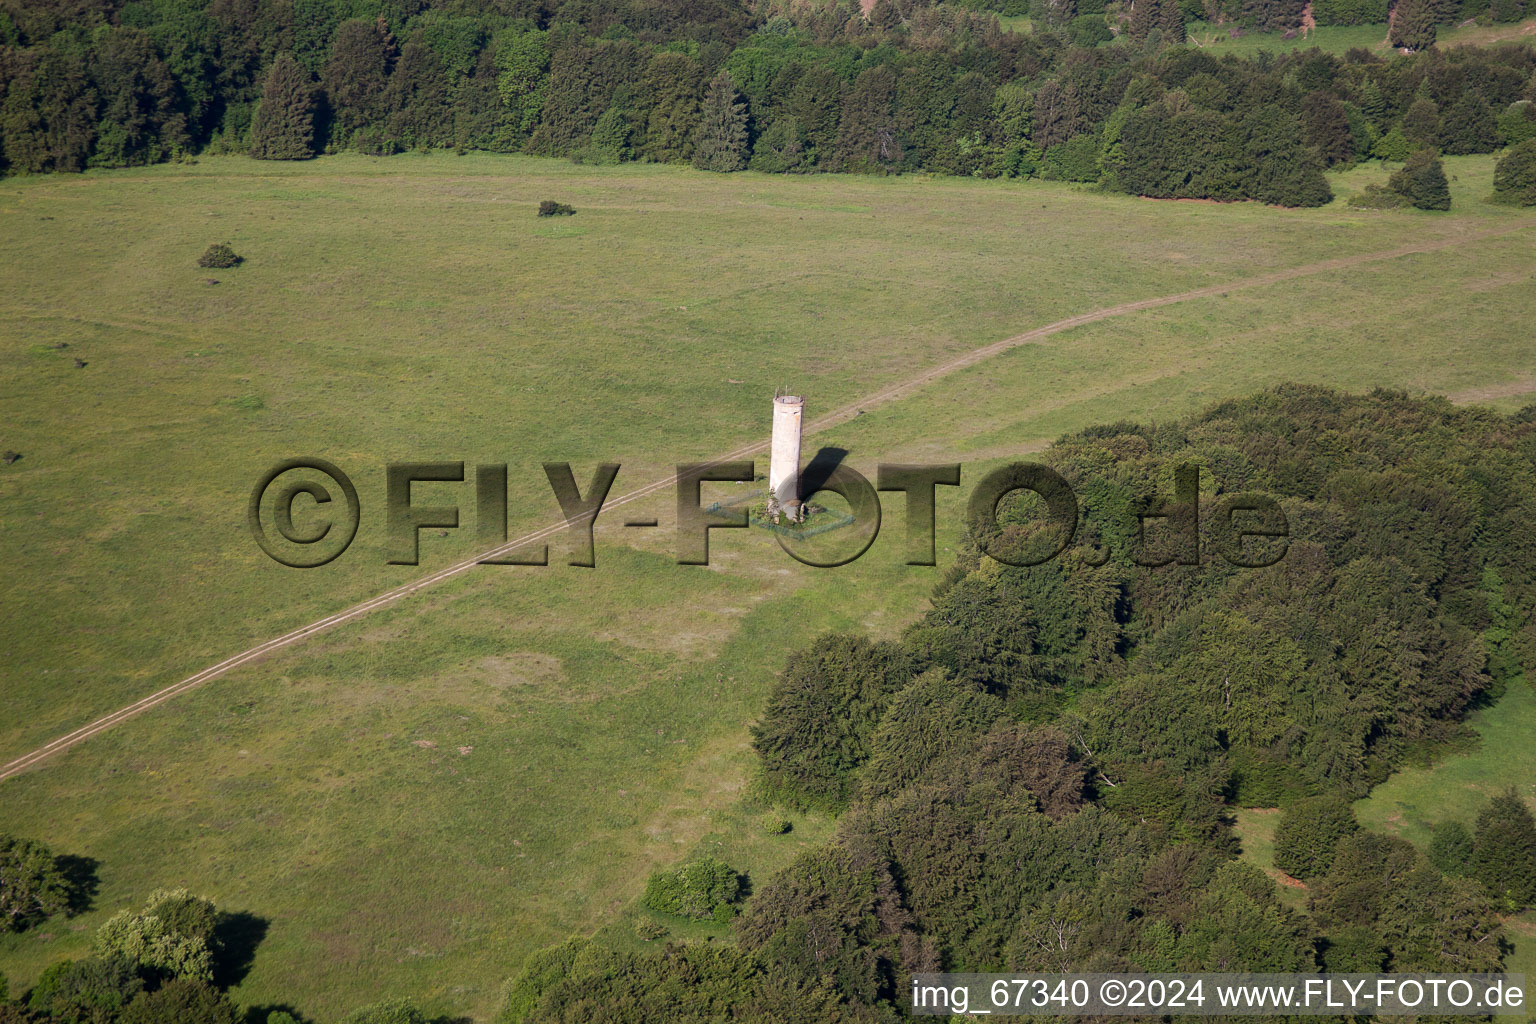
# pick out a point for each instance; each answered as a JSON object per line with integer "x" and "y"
{"x": 649, "y": 931}
{"x": 1308, "y": 835}
{"x": 550, "y": 208}
{"x": 1514, "y": 176}
{"x": 699, "y": 889}
{"x": 182, "y": 1001}
{"x": 1450, "y": 848}
{"x": 391, "y": 1011}
{"x": 93, "y": 989}
{"x": 32, "y": 887}
{"x": 1374, "y": 197}
{"x": 1422, "y": 182}
{"x": 774, "y": 825}
{"x": 1504, "y": 850}
{"x": 219, "y": 256}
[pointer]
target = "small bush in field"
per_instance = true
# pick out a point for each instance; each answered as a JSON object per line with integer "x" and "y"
{"x": 220, "y": 256}
{"x": 649, "y": 931}
{"x": 775, "y": 825}
{"x": 550, "y": 208}
{"x": 701, "y": 889}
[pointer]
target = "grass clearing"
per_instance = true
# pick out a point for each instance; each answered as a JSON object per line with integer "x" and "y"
{"x": 1255, "y": 827}
{"x": 1455, "y": 788}
{"x": 1338, "y": 39}
{"x": 415, "y": 308}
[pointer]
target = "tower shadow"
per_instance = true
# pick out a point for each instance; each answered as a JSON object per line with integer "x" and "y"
{"x": 819, "y": 470}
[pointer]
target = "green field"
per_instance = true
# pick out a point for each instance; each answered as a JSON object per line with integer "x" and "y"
{"x": 1337, "y": 39}
{"x": 414, "y": 801}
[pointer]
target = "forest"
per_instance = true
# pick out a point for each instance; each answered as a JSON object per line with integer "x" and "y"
{"x": 1039, "y": 774}
{"x": 1091, "y": 95}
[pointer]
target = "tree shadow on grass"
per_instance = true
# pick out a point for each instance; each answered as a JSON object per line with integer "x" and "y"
{"x": 236, "y": 936}
{"x": 80, "y": 877}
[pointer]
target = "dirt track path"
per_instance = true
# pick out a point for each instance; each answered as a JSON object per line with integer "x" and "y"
{"x": 840, "y": 415}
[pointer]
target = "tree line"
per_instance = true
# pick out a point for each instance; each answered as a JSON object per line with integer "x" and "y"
{"x": 785, "y": 87}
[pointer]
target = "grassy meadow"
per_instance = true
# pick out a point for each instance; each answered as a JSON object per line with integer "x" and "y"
{"x": 1338, "y": 39}
{"x": 414, "y": 801}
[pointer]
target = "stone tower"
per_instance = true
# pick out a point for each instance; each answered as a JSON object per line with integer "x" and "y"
{"x": 784, "y": 462}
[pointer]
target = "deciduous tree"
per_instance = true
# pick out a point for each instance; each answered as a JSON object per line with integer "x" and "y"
{"x": 32, "y": 888}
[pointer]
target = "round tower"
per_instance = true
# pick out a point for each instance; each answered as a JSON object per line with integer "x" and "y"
{"x": 784, "y": 462}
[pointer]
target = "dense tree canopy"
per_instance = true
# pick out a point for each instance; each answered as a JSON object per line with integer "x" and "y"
{"x": 918, "y": 85}
{"x": 1308, "y": 835}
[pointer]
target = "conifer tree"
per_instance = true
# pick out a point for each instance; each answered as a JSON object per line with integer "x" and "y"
{"x": 1413, "y": 25}
{"x": 1450, "y": 848}
{"x": 1171, "y": 21}
{"x": 1469, "y": 126}
{"x": 1307, "y": 837}
{"x": 1422, "y": 181}
{"x": 1514, "y": 177}
{"x": 1504, "y": 849}
{"x": 867, "y": 140}
{"x": 1422, "y": 123}
{"x": 1144, "y": 18}
{"x": 722, "y": 142}
{"x": 1325, "y": 127}
{"x": 284, "y": 126}
{"x": 1373, "y": 104}
{"x": 356, "y": 74}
